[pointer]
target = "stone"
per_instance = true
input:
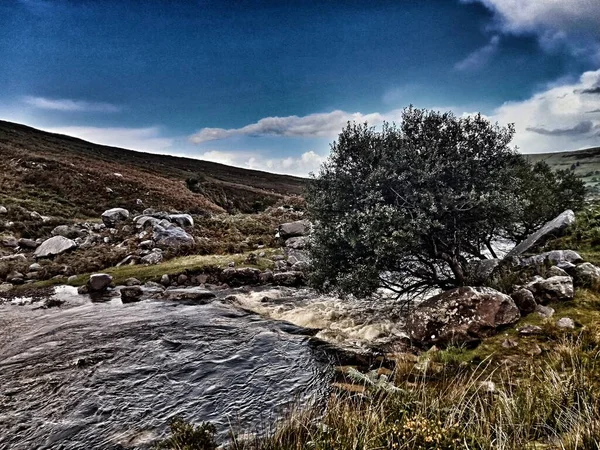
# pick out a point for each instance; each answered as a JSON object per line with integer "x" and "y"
{"x": 82, "y": 290}
{"x": 152, "y": 285}
{"x": 68, "y": 231}
{"x": 145, "y": 221}
{"x": 552, "y": 289}
{"x": 480, "y": 271}
{"x": 108, "y": 190}
{"x": 5, "y": 287}
{"x": 183, "y": 220}
{"x": 27, "y": 243}
{"x": 111, "y": 217}
{"x": 152, "y": 258}
{"x": 560, "y": 258}
{"x": 174, "y": 238}
{"x": 35, "y": 267}
{"x": 182, "y": 279}
{"x": 266, "y": 276}
{"x": 15, "y": 257}
{"x": 9, "y": 241}
{"x": 293, "y": 278}
{"x": 3, "y": 210}
{"x": 195, "y": 294}
{"x": 587, "y": 275}
{"x": 56, "y": 245}
{"x": 554, "y": 228}
{"x": 544, "y": 311}
{"x": 524, "y": 300}
{"x": 130, "y": 294}
{"x": 556, "y": 271}
{"x": 99, "y": 282}
{"x": 129, "y": 260}
{"x": 165, "y": 280}
{"x": 36, "y": 215}
{"x": 293, "y": 229}
{"x": 240, "y": 276}
{"x": 301, "y": 266}
{"x": 566, "y": 323}
{"x": 148, "y": 244}
{"x": 72, "y": 279}
{"x": 459, "y": 316}
{"x": 529, "y": 330}
{"x": 298, "y": 242}
{"x": 15, "y": 277}
{"x": 132, "y": 282}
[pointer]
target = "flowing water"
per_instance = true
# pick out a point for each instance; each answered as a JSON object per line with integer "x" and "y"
{"x": 110, "y": 375}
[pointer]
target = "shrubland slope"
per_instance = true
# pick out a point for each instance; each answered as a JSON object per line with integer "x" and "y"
{"x": 68, "y": 177}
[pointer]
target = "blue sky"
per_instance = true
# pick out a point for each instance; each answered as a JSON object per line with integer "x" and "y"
{"x": 269, "y": 84}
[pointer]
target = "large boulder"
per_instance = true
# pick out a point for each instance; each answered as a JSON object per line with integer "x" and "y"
{"x": 99, "y": 282}
{"x": 524, "y": 300}
{"x": 112, "y": 217}
{"x": 462, "y": 315}
{"x": 54, "y": 246}
{"x": 183, "y": 220}
{"x": 293, "y": 229}
{"x": 240, "y": 276}
{"x": 587, "y": 275}
{"x": 552, "y": 289}
{"x": 172, "y": 238}
{"x": 551, "y": 229}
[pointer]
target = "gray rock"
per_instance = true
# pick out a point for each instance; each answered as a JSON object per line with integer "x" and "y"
{"x": 480, "y": 271}
{"x": 130, "y": 294}
{"x": 5, "y": 287}
{"x": 72, "y": 278}
{"x": 68, "y": 231}
{"x": 293, "y": 229}
{"x": 301, "y": 266}
{"x": 552, "y": 289}
{"x": 147, "y": 244}
{"x": 266, "y": 276}
{"x": 298, "y": 242}
{"x": 183, "y": 220}
{"x": 293, "y": 278}
{"x": 99, "y": 282}
{"x": 15, "y": 277}
{"x": 82, "y": 290}
{"x": 145, "y": 221}
{"x": 165, "y": 280}
{"x": 3, "y": 210}
{"x": 240, "y": 276}
{"x": 152, "y": 258}
{"x": 461, "y": 316}
{"x": 172, "y": 238}
{"x": 182, "y": 279}
{"x": 544, "y": 311}
{"x": 15, "y": 257}
{"x": 281, "y": 266}
{"x": 35, "y": 267}
{"x": 551, "y": 229}
{"x": 558, "y": 258}
{"x": 54, "y": 246}
{"x": 195, "y": 294}
{"x": 566, "y": 323}
{"x": 36, "y": 216}
{"x": 153, "y": 285}
{"x": 112, "y": 217}
{"x": 132, "y": 282}
{"x": 524, "y": 300}
{"x": 556, "y": 271}
{"x": 27, "y": 243}
{"x": 587, "y": 275}
{"x": 529, "y": 330}
{"x": 9, "y": 241}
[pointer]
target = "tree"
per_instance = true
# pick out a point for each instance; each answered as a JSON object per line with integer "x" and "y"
{"x": 408, "y": 207}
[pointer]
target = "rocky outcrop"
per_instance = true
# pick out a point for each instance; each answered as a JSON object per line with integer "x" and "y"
{"x": 54, "y": 246}
{"x": 560, "y": 258}
{"x": 112, "y": 217}
{"x": 554, "y": 228}
{"x": 294, "y": 229}
{"x": 462, "y": 315}
{"x": 173, "y": 238}
{"x": 552, "y": 289}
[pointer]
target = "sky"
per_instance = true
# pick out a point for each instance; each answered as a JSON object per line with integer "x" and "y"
{"x": 269, "y": 85}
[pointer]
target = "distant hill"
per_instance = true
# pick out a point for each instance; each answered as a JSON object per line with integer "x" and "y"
{"x": 585, "y": 164}
{"x": 61, "y": 175}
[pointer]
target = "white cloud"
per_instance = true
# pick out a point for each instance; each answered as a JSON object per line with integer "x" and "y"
{"x": 68, "y": 105}
{"x": 301, "y": 165}
{"x": 142, "y": 139}
{"x": 565, "y": 117}
{"x": 480, "y": 57}
{"x": 314, "y": 125}
{"x": 575, "y": 23}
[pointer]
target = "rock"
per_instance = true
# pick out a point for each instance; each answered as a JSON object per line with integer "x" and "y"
{"x": 3, "y": 210}
{"x": 288, "y": 278}
{"x": 99, "y": 282}
{"x": 524, "y": 300}
{"x": 552, "y": 289}
{"x": 544, "y": 311}
{"x": 32, "y": 275}
{"x": 262, "y": 254}
{"x": 293, "y": 229}
{"x": 108, "y": 190}
{"x": 298, "y": 242}
{"x": 130, "y": 294}
{"x": 35, "y": 267}
{"x": 281, "y": 266}
{"x": 266, "y": 276}
{"x": 36, "y": 216}
{"x": 139, "y": 201}
{"x": 278, "y": 258}
{"x": 72, "y": 279}
{"x": 52, "y": 303}
{"x": 148, "y": 244}
{"x": 231, "y": 264}
{"x": 462, "y": 315}
{"x": 301, "y": 266}
{"x": 27, "y": 243}
{"x": 529, "y": 330}
{"x": 480, "y": 271}
{"x": 553, "y": 228}
{"x": 183, "y": 220}
{"x": 5, "y": 287}
{"x": 192, "y": 294}
{"x": 240, "y": 276}
{"x": 145, "y": 221}
{"x": 129, "y": 260}
{"x": 556, "y": 271}
{"x": 54, "y": 246}
{"x": 172, "y": 238}
{"x": 15, "y": 277}
{"x": 587, "y": 275}
{"x": 566, "y": 323}
{"x": 560, "y": 258}
{"x": 165, "y": 280}
{"x": 15, "y": 257}
{"x": 9, "y": 241}
{"x": 132, "y": 282}
{"x": 82, "y": 290}
{"x": 153, "y": 285}
{"x": 68, "y": 232}
{"x": 112, "y": 217}
{"x": 509, "y": 343}
{"x": 182, "y": 279}
{"x": 152, "y": 258}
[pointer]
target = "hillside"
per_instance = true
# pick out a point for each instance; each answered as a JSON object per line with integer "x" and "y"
{"x": 63, "y": 176}
{"x": 585, "y": 163}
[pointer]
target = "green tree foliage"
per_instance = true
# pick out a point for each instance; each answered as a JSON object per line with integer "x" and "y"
{"x": 408, "y": 207}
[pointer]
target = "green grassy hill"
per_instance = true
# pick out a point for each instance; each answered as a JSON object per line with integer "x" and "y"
{"x": 63, "y": 176}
